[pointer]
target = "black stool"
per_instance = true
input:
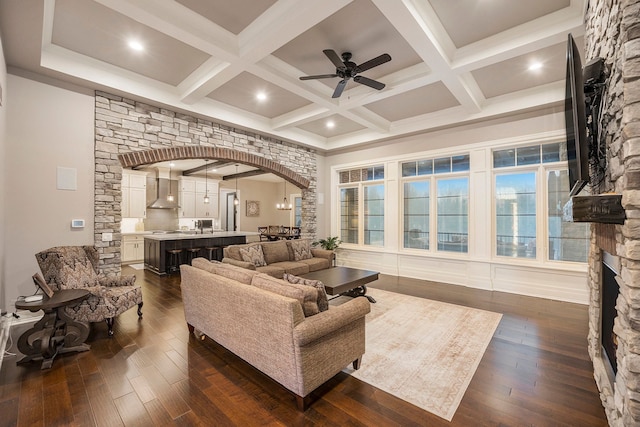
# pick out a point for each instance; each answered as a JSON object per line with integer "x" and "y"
{"x": 191, "y": 254}
{"x": 213, "y": 251}
{"x": 174, "y": 259}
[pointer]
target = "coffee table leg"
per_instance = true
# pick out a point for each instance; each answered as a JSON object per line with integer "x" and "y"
{"x": 360, "y": 291}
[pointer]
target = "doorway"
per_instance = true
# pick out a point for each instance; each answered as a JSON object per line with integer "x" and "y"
{"x": 231, "y": 213}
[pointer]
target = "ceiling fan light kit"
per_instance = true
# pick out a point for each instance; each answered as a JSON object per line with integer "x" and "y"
{"x": 346, "y": 70}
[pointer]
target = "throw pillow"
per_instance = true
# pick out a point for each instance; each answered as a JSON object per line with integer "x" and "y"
{"x": 301, "y": 250}
{"x": 254, "y": 255}
{"x": 305, "y": 295}
{"x": 323, "y": 301}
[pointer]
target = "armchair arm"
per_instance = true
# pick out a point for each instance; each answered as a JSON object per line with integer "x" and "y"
{"x": 237, "y": 263}
{"x": 322, "y": 253}
{"x": 117, "y": 281}
{"x": 326, "y": 322}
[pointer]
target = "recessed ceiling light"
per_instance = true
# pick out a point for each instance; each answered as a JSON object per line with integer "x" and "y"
{"x": 136, "y": 45}
{"x": 535, "y": 66}
{"x": 171, "y": 164}
{"x": 331, "y": 124}
{"x": 261, "y": 96}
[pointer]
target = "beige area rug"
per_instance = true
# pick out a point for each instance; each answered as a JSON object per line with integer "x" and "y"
{"x": 422, "y": 351}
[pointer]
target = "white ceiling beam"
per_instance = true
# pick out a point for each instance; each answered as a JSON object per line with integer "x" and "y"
{"x": 419, "y": 25}
{"x": 300, "y": 116}
{"x": 258, "y": 40}
{"x": 510, "y": 104}
{"x": 180, "y": 23}
{"x": 529, "y": 37}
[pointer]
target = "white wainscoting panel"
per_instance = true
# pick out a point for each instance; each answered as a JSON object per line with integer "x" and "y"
{"x": 560, "y": 285}
{"x": 537, "y": 281}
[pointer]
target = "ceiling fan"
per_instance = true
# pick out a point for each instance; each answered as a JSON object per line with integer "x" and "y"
{"x": 345, "y": 69}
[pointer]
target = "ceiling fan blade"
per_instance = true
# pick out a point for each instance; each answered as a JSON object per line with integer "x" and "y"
{"x": 369, "y": 82}
{"x": 319, "y": 76}
{"x": 385, "y": 57}
{"x": 333, "y": 57}
{"x": 339, "y": 89}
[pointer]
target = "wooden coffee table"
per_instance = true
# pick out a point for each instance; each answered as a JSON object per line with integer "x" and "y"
{"x": 345, "y": 281}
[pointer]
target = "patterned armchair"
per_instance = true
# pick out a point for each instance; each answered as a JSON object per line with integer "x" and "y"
{"x": 76, "y": 267}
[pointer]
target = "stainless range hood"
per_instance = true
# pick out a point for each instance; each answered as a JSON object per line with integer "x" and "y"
{"x": 158, "y": 187}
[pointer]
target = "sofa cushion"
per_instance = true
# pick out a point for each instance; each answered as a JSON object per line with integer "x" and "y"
{"x": 306, "y": 295}
{"x": 254, "y": 255}
{"x": 292, "y": 267}
{"x": 275, "y": 251}
{"x": 316, "y": 264}
{"x": 323, "y": 301}
{"x": 272, "y": 270}
{"x": 301, "y": 249}
{"x": 229, "y": 271}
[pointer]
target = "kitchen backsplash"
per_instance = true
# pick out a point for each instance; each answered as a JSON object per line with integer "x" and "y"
{"x": 160, "y": 219}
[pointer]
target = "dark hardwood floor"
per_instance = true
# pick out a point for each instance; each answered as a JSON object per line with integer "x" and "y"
{"x": 535, "y": 372}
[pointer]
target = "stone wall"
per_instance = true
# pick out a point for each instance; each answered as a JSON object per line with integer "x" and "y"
{"x": 124, "y": 125}
{"x": 613, "y": 33}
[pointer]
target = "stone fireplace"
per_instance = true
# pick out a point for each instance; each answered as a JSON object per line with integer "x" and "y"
{"x": 613, "y": 33}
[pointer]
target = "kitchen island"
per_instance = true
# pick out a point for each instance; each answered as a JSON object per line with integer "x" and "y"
{"x": 157, "y": 245}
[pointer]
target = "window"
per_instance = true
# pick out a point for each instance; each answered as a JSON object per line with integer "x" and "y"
{"x": 450, "y": 206}
{"x": 416, "y": 214}
{"x": 374, "y": 215}
{"x": 349, "y": 215}
{"x": 537, "y": 180}
{"x": 516, "y": 215}
{"x": 567, "y": 240}
{"x": 297, "y": 211}
{"x": 362, "y": 205}
{"x": 453, "y": 214}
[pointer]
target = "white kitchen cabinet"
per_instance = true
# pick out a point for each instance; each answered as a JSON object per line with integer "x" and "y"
{"x": 187, "y": 203}
{"x": 132, "y": 248}
{"x": 134, "y": 194}
{"x": 207, "y": 210}
{"x": 192, "y": 192}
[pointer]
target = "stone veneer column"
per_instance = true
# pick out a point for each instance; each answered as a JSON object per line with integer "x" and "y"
{"x": 613, "y": 33}
{"x": 124, "y": 125}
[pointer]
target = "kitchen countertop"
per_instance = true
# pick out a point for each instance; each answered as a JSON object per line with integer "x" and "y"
{"x": 187, "y": 236}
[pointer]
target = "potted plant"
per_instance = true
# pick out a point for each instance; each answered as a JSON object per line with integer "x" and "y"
{"x": 330, "y": 243}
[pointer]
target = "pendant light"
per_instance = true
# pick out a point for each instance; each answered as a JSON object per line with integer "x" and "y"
{"x": 285, "y": 205}
{"x": 236, "y": 201}
{"x": 206, "y": 182}
{"x": 169, "y": 195}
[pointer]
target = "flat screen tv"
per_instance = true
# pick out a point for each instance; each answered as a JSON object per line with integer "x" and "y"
{"x": 576, "y": 121}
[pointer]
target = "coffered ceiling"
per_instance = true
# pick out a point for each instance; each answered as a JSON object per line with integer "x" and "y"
{"x": 453, "y": 61}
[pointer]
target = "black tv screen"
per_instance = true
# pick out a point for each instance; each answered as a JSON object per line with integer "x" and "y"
{"x": 576, "y": 121}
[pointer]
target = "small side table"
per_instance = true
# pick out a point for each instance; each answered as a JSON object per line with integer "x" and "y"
{"x": 56, "y": 332}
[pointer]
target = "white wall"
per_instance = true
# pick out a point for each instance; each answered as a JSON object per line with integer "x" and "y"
{"x": 3, "y": 170}
{"x": 479, "y": 268}
{"x": 46, "y": 127}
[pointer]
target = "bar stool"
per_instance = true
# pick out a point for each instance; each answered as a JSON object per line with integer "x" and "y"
{"x": 191, "y": 254}
{"x": 174, "y": 259}
{"x": 213, "y": 250}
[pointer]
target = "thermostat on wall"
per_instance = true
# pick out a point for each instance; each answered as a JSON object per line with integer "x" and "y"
{"x": 77, "y": 223}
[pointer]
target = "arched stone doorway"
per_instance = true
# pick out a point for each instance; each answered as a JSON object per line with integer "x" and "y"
{"x": 131, "y": 133}
{"x": 139, "y": 158}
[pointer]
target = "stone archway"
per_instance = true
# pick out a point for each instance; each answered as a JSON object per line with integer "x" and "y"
{"x": 145, "y": 157}
{"x": 131, "y": 133}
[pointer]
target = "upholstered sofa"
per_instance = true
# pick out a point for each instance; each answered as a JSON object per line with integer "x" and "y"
{"x": 279, "y": 257}
{"x": 274, "y": 325}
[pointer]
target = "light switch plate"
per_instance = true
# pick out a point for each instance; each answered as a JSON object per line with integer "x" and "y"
{"x": 107, "y": 237}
